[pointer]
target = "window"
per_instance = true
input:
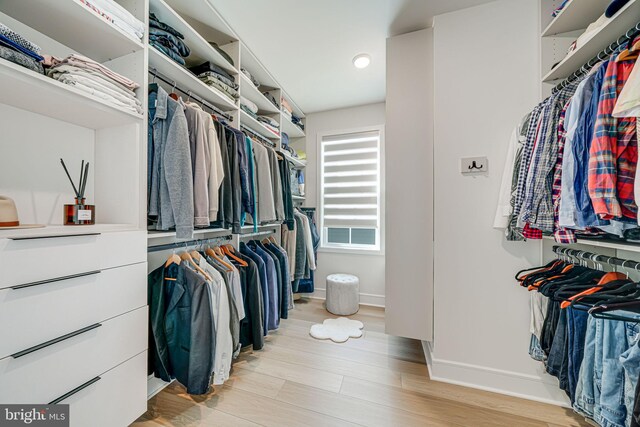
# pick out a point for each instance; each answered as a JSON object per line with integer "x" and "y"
{"x": 350, "y": 190}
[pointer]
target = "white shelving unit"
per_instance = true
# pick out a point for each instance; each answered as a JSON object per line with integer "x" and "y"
{"x": 556, "y": 36}
{"x": 576, "y": 15}
{"x": 86, "y": 31}
{"x": 252, "y": 93}
{"x": 616, "y": 26}
{"x": 257, "y": 126}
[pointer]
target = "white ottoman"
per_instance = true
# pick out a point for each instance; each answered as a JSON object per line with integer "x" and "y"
{"x": 343, "y": 294}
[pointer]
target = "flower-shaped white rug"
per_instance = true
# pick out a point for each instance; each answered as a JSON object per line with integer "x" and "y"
{"x": 337, "y": 330}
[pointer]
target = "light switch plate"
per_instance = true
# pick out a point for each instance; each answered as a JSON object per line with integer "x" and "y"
{"x": 474, "y": 165}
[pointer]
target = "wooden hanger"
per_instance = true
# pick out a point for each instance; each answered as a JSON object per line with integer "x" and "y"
{"x": 212, "y": 253}
{"x": 229, "y": 251}
{"x": 187, "y": 257}
{"x": 273, "y": 240}
{"x": 173, "y": 259}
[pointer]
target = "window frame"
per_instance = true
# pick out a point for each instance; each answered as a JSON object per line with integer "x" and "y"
{"x": 349, "y": 248}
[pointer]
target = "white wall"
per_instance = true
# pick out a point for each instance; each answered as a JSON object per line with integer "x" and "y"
{"x": 409, "y": 184}
{"x": 369, "y": 267}
{"x": 486, "y": 79}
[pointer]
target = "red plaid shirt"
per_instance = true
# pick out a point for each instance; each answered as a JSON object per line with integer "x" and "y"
{"x": 614, "y": 151}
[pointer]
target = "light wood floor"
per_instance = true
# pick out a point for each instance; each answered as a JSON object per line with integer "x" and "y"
{"x": 377, "y": 380}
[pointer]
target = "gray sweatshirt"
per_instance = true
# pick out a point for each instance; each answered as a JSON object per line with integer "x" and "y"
{"x": 200, "y": 163}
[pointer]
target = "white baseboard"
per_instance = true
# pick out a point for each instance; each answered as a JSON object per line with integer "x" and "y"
{"x": 543, "y": 388}
{"x": 365, "y": 299}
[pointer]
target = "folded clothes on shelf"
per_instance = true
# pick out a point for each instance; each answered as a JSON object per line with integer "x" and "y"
{"x": 270, "y": 121}
{"x": 167, "y": 40}
{"x": 117, "y": 15}
{"x": 21, "y": 59}
{"x": 224, "y": 54}
{"x": 271, "y": 99}
{"x": 220, "y": 77}
{"x": 94, "y": 78}
{"x": 255, "y": 81}
{"x": 213, "y": 68}
{"x": 247, "y": 110}
{"x": 17, "y": 49}
{"x": 297, "y": 121}
{"x": 285, "y": 107}
{"x": 217, "y": 83}
{"x": 250, "y": 105}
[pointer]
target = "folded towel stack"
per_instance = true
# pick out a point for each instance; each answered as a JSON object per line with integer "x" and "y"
{"x": 167, "y": 40}
{"x": 249, "y": 107}
{"x": 270, "y": 124}
{"x": 17, "y": 49}
{"x": 94, "y": 78}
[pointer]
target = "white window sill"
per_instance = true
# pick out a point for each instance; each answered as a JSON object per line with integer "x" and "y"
{"x": 346, "y": 251}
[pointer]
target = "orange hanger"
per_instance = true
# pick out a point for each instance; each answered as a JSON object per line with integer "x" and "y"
{"x": 228, "y": 250}
{"x": 213, "y": 254}
{"x": 629, "y": 53}
{"x": 609, "y": 277}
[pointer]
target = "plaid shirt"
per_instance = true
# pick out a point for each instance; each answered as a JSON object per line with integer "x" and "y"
{"x": 561, "y": 234}
{"x": 614, "y": 151}
{"x": 523, "y": 170}
{"x": 538, "y": 208}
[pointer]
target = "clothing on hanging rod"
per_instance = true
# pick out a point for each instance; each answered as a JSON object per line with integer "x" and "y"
{"x": 603, "y": 259}
{"x": 257, "y": 135}
{"x": 190, "y": 94}
{"x": 198, "y": 242}
{"x": 597, "y": 59}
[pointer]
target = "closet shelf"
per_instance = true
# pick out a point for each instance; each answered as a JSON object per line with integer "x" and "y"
{"x": 576, "y": 15}
{"x": 27, "y": 90}
{"x": 625, "y": 19}
{"x": 198, "y": 233}
{"x": 610, "y": 244}
{"x": 252, "y": 93}
{"x": 256, "y": 126}
{"x": 257, "y": 70}
{"x": 290, "y": 129}
{"x": 297, "y": 163}
{"x": 62, "y": 230}
{"x": 186, "y": 80}
{"x": 201, "y": 50}
{"x": 74, "y": 25}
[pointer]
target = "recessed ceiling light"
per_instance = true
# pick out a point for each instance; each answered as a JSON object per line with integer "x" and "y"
{"x": 362, "y": 61}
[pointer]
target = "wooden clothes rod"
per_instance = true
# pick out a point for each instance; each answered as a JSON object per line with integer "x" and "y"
{"x": 589, "y": 256}
{"x": 186, "y": 244}
{"x": 598, "y": 58}
{"x": 190, "y": 94}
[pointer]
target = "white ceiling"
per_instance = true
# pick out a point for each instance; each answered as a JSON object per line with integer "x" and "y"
{"x": 308, "y": 45}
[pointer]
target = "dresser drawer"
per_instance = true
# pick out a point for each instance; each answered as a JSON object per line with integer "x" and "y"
{"x": 32, "y": 315}
{"x": 116, "y": 399}
{"x": 48, "y": 373}
{"x": 33, "y": 260}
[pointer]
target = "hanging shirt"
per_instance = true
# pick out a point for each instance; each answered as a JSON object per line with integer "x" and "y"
{"x": 514, "y": 151}
{"x": 538, "y": 206}
{"x": 273, "y": 310}
{"x": 628, "y": 104}
{"x": 266, "y": 205}
{"x": 580, "y": 100}
{"x": 614, "y": 151}
{"x": 561, "y": 234}
{"x": 200, "y": 163}
{"x": 221, "y": 318}
{"x": 263, "y": 281}
{"x": 585, "y": 215}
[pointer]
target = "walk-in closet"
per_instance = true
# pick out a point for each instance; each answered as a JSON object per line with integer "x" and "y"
{"x": 229, "y": 213}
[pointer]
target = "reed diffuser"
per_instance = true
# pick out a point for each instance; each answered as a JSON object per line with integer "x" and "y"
{"x": 79, "y": 213}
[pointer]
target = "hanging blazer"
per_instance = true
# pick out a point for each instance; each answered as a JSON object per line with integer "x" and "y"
{"x": 183, "y": 333}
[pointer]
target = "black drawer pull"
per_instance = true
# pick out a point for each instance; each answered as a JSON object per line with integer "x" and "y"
{"x": 74, "y": 391}
{"x": 59, "y": 236}
{"x": 57, "y": 279}
{"x": 55, "y": 341}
